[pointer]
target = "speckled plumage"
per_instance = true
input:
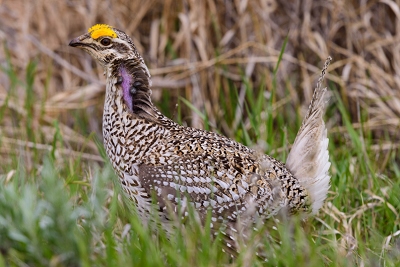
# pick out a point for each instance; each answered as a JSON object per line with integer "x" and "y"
{"x": 154, "y": 157}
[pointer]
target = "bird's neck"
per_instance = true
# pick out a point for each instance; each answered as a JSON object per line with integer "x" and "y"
{"x": 130, "y": 79}
{"x": 128, "y": 103}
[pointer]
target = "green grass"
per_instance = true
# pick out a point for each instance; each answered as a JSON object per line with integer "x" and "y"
{"x": 65, "y": 211}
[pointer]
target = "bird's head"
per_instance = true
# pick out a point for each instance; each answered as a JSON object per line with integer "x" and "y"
{"x": 124, "y": 66}
{"x": 109, "y": 46}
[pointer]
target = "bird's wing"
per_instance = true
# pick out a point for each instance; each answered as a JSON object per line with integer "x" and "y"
{"x": 308, "y": 159}
{"x": 188, "y": 180}
{"x": 203, "y": 182}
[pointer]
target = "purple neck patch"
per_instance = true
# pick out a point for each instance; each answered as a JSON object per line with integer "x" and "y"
{"x": 126, "y": 84}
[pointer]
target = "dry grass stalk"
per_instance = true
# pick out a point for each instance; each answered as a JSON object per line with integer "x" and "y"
{"x": 197, "y": 45}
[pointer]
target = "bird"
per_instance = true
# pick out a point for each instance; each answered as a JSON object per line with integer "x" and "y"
{"x": 164, "y": 167}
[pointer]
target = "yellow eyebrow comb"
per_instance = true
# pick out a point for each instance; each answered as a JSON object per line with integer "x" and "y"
{"x": 99, "y": 30}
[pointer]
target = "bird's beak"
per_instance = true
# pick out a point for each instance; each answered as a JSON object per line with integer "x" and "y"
{"x": 75, "y": 42}
{"x": 79, "y": 41}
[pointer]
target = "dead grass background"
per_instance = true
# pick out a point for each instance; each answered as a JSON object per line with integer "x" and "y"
{"x": 193, "y": 48}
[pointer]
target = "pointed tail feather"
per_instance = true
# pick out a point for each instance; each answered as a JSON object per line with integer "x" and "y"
{"x": 308, "y": 159}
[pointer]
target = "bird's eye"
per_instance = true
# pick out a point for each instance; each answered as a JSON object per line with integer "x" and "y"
{"x": 105, "y": 41}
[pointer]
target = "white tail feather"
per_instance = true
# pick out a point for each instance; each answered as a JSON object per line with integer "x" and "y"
{"x": 308, "y": 159}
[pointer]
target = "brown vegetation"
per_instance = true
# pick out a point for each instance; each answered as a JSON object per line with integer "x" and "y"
{"x": 199, "y": 47}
